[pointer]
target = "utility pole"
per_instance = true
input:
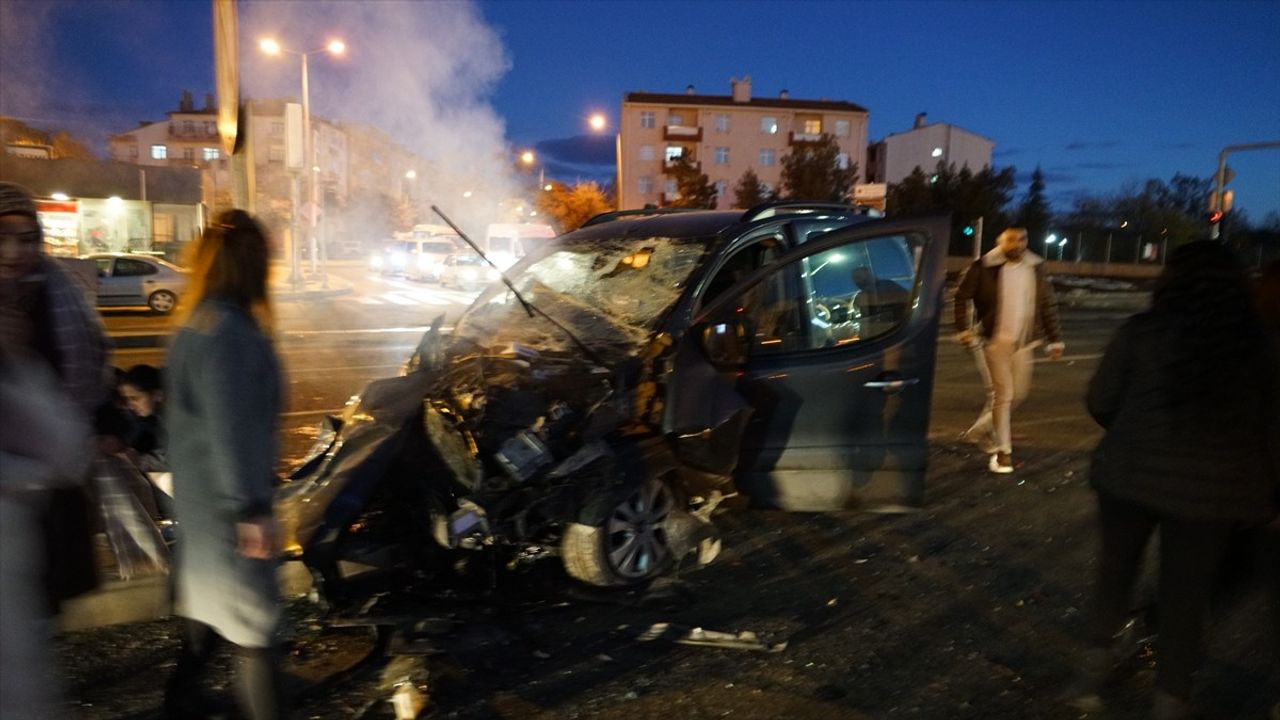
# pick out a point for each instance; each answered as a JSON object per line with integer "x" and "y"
{"x": 1220, "y": 179}
{"x": 977, "y": 238}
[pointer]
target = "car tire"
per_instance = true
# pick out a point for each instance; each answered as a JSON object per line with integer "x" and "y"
{"x": 162, "y": 302}
{"x": 628, "y": 546}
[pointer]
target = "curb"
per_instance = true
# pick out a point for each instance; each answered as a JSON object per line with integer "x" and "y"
{"x": 141, "y": 339}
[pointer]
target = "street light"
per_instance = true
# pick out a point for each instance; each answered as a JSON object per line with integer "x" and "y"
{"x": 597, "y": 121}
{"x": 336, "y": 48}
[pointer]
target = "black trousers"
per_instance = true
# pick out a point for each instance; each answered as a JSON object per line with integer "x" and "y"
{"x": 1191, "y": 553}
{"x": 257, "y": 678}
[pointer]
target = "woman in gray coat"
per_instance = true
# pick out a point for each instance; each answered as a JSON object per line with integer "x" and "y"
{"x": 224, "y": 396}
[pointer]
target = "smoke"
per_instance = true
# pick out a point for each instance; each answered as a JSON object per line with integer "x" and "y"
{"x": 420, "y": 71}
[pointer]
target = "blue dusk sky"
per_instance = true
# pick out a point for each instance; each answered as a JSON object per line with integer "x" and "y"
{"x": 1097, "y": 94}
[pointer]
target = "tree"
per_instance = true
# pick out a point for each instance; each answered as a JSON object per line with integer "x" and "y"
{"x": 750, "y": 192}
{"x": 811, "y": 171}
{"x": 60, "y": 143}
{"x": 1034, "y": 213}
{"x": 571, "y": 206}
{"x": 693, "y": 187}
{"x": 965, "y": 194}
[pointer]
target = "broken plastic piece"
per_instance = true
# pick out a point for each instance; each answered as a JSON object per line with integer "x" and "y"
{"x": 744, "y": 640}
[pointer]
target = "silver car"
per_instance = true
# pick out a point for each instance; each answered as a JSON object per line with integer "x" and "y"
{"x": 135, "y": 280}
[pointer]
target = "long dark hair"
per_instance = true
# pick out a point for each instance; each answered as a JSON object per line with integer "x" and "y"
{"x": 230, "y": 261}
{"x": 1220, "y": 351}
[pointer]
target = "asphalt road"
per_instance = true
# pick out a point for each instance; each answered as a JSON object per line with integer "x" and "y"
{"x": 973, "y": 607}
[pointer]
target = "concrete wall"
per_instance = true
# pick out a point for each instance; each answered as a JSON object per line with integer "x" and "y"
{"x": 1128, "y": 271}
{"x": 906, "y": 150}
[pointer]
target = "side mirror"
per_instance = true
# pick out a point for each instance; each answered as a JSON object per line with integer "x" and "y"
{"x": 725, "y": 344}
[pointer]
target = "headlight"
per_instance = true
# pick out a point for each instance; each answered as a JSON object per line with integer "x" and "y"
{"x": 424, "y": 262}
{"x": 503, "y": 260}
{"x": 375, "y": 262}
{"x": 399, "y": 259}
{"x": 469, "y": 274}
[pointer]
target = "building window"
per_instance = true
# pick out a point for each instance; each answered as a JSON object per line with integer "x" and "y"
{"x": 645, "y": 186}
{"x": 766, "y": 157}
{"x": 188, "y": 153}
{"x": 722, "y": 123}
{"x": 211, "y": 154}
{"x": 159, "y": 152}
{"x": 842, "y": 128}
{"x": 766, "y": 188}
{"x": 277, "y": 128}
{"x": 722, "y": 156}
{"x": 675, "y": 120}
{"x": 842, "y": 161}
{"x": 722, "y": 190}
{"x": 275, "y": 153}
{"x": 210, "y": 128}
{"x": 937, "y": 152}
{"x": 646, "y": 152}
{"x": 647, "y": 119}
{"x": 673, "y": 152}
{"x": 673, "y": 188}
{"x": 188, "y": 127}
{"x": 133, "y": 151}
{"x": 812, "y": 127}
{"x": 769, "y": 125}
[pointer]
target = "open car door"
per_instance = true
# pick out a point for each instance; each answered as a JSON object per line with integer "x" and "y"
{"x": 833, "y": 345}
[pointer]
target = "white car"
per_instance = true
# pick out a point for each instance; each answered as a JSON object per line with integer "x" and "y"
{"x": 467, "y": 271}
{"x": 135, "y": 280}
{"x": 426, "y": 258}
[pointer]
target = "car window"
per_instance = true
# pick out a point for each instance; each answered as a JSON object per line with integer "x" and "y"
{"x": 104, "y": 266}
{"x": 741, "y": 264}
{"x": 126, "y": 267}
{"x": 849, "y": 294}
{"x": 438, "y": 248}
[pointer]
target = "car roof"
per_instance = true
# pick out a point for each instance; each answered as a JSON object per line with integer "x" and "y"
{"x": 697, "y": 223}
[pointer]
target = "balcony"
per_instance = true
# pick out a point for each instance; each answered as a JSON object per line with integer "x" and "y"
{"x": 796, "y": 138}
{"x": 682, "y": 133}
{"x": 669, "y": 165}
{"x": 195, "y": 133}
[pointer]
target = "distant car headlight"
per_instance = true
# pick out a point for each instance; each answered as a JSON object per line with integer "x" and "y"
{"x": 503, "y": 260}
{"x": 375, "y": 262}
{"x": 399, "y": 260}
{"x": 469, "y": 274}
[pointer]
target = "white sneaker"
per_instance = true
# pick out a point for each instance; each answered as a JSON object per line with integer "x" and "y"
{"x": 1001, "y": 463}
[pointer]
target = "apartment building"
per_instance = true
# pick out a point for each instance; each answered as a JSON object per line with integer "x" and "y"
{"x": 923, "y": 146}
{"x": 187, "y": 137}
{"x": 725, "y": 135}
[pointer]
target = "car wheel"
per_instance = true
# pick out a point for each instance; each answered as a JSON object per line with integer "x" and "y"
{"x": 630, "y": 546}
{"x": 162, "y": 301}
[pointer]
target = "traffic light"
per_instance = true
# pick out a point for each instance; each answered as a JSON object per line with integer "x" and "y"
{"x": 1215, "y": 216}
{"x": 968, "y": 230}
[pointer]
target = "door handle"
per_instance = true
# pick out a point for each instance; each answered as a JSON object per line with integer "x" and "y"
{"x": 890, "y": 386}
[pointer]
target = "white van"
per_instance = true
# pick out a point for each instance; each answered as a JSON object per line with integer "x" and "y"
{"x": 504, "y": 243}
{"x": 429, "y": 246}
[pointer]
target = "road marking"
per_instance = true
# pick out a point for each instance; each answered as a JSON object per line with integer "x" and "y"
{"x": 367, "y": 331}
{"x": 397, "y": 298}
{"x": 368, "y": 300}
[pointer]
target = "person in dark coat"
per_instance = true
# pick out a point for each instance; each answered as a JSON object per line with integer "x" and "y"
{"x": 223, "y": 398}
{"x": 1189, "y": 395}
{"x": 45, "y": 309}
{"x": 1015, "y": 312}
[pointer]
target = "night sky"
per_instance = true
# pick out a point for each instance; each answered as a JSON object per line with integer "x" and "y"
{"x": 1097, "y": 94}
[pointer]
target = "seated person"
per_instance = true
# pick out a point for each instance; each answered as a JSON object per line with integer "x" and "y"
{"x": 881, "y": 302}
{"x": 143, "y": 392}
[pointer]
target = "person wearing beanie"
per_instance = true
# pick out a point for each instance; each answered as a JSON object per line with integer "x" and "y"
{"x": 46, "y": 318}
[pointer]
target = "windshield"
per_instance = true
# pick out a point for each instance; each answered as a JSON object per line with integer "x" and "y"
{"x": 438, "y": 248}
{"x": 611, "y": 293}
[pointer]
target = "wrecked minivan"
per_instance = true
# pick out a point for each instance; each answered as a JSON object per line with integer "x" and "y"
{"x": 632, "y": 375}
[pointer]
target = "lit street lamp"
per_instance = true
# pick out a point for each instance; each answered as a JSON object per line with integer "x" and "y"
{"x": 527, "y": 158}
{"x": 597, "y": 122}
{"x": 336, "y": 48}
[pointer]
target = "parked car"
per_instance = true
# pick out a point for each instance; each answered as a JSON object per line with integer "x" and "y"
{"x": 129, "y": 280}
{"x": 466, "y": 271}
{"x": 645, "y": 367}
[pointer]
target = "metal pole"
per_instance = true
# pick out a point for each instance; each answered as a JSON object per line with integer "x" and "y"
{"x": 1137, "y": 250}
{"x": 977, "y": 238}
{"x": 295, "y": 271}
{"x": 309, "y": 152}
{"x": 1079, "y": 244}
{"x": 1107, "y": 259}
{"x": 1215, "y": 203}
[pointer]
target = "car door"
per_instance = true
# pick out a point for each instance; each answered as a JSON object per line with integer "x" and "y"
{"x": 841, "y": 396}
{"x": 131, "y": 279}
{"x": 106, "y": 285}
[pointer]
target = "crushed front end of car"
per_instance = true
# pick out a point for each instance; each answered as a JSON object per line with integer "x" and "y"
{"x": 535, "y": 426}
